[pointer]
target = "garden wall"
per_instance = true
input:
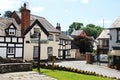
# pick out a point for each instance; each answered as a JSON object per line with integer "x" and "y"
{"x": 15, "y": 67}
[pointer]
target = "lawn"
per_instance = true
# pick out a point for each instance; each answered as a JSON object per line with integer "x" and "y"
{"x": 64, "y": 75}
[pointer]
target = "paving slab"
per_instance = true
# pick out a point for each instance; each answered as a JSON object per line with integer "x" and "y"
{"x": 30, "y": 75}
{"x": 99, "y": 69}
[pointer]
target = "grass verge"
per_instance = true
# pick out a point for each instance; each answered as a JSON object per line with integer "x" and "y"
{"x": 64, "y": 75}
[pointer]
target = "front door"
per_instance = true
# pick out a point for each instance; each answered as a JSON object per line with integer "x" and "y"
{"x": 64, "y": 54}
{"x": 50, "y": 52}
{"x": 35, "y": 52}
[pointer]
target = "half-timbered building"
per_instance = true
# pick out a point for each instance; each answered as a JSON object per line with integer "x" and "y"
{"x": 11, "y": 41}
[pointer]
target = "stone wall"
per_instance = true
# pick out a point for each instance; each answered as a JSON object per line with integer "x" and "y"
{"x": 15, "y": 67}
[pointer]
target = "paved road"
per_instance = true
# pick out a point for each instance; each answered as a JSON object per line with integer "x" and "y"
{"x": 81, "y": 65}
{"x": 30, "y": 75}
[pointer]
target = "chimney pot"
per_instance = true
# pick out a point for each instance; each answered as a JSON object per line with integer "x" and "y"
{"x": 58, "y": 27}
{"x": 24, "y": 5}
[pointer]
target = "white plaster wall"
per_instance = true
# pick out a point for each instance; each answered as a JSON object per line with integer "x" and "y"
{"x": 29, "y": 47}
{"x": 54, "y": 44}
{"x": 18, "y": 52}
{"x": 113, "y": 42}
{"x": 3, "y": 52}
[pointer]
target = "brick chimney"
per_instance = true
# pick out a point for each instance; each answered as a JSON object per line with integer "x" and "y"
{"x": 58, "y": 27}
{"x": 25, "y": 18}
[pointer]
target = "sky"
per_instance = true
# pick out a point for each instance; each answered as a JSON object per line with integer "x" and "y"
{"x": 66, "y": 12}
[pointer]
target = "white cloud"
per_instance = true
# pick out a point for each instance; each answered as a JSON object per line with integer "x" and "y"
{"x": 84, "y": 1}
{"x": 9, "y": 4}
{"x": 37, "y": 9}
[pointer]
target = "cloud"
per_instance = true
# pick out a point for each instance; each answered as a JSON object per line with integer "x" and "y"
{"x": 9, "y": 4}
{"x": 37, "y": 9}
{"x": 84, "y": 1}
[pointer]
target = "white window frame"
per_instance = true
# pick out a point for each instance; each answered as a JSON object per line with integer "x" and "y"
{"x": 10, "y": 50}
{"x": 11, "y": 32}
{"x": 51, "y": 37}
{"x": 57, "y": 37}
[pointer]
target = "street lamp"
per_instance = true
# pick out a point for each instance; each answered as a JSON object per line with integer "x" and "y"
{"x": 39, "y": 36}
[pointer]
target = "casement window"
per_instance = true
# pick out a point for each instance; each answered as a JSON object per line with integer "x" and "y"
{"x": 66, "y": 42}
{"x": 12, "y": 32}
{"x": 51, "y": 37}
{"x": 118, "y": 35}
{"x": 60, "y": 42}
{"x": 57, "y": 37}
{"x": 36, "y": 31}
{"x": 10, "y": 50}
{"x": 50, "y": 51}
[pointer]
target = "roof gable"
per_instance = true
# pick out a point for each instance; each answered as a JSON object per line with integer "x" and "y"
{"x": 39, "y": 24}
{"x": 115, "y": 24}
{"x": 76, "y": 32}
{"x": 48, "y": 26}
{"x": 104, "y": 35}
{"x": 12, "y": 26}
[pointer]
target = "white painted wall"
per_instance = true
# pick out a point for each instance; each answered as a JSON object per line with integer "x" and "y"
{"x": 3, "y": 52}
{"x": 113, "y": 42}
{"x": 18, "y": 52}
{"x": 28, "y": 47}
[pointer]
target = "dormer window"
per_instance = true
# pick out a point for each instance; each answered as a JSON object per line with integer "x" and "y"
{"x": 11, "y": 30}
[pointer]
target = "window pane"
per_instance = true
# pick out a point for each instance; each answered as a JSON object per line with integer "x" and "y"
{"x": 11, "y": 31}
{"x": 11, "y": 50}
{"x": 50, "y": 50}
{"x": 50, "y": 37}
{"x": 118, "y": 35}
{"x": 57, "y": 37}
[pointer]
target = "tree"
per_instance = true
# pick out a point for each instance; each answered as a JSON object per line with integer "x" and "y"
{"x": 85, "y": 44}
{"x": 75, "y": 26}
{"x": 90, "y": 25}
{"x": 20, "y": 9}
{"x": 8, "y": 13}
{"x": 93, "y": 30}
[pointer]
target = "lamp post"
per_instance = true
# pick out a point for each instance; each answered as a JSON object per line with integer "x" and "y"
{"x": 39, "y": 36}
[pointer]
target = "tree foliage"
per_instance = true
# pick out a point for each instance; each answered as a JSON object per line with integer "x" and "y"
{"x": 93, "y": 30}
{"x": 85, "y": 44}
{"x": 75, "y": 26}
{"x": 20, "y": 9}
{"x": 8, "y": 13}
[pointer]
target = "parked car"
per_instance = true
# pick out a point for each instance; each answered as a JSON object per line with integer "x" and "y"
{"x": 103, "y": 58}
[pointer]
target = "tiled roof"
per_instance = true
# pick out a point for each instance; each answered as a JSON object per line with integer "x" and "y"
{"x": 5, "y": 22}
{"x": 76, "y": 33}
{"x": 104, "y": 34}
{"x": 116, "y": 23}
{"x": 63, "y": 36}
{"x": 42, "y": 20}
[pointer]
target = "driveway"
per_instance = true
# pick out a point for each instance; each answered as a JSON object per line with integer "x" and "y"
{"x": 99, "y": 69}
